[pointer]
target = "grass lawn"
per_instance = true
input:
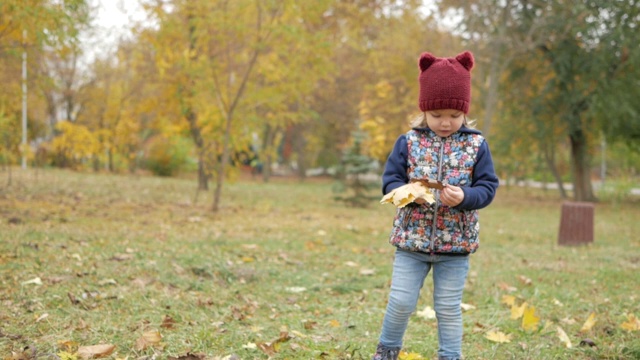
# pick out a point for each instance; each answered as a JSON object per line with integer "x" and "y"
{"x": 285, "y": 272}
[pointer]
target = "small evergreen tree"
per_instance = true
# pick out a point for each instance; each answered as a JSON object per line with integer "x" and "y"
{"x": 353, "y": 171}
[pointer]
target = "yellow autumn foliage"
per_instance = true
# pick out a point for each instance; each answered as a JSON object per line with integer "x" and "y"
{"x": 75, "y": 142}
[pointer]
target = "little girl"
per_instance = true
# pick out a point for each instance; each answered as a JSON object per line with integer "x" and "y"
{"x": 438, "y": 236}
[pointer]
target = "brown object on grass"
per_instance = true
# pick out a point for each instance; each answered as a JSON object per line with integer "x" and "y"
{"x": 576, "y": 223}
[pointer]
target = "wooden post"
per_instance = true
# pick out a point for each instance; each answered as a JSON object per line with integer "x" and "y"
{"x": 576, "y": 223}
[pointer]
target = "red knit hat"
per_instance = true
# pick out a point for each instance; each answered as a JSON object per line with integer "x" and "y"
{"x": 445, "y": 83}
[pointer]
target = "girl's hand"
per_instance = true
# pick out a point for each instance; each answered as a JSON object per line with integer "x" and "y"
{"x": 451, "y": 195}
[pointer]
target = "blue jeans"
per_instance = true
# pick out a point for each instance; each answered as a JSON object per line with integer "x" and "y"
{"x": 449, "y": 275}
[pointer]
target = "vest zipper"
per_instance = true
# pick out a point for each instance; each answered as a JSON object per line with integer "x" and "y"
{"x": 435, "y": 210}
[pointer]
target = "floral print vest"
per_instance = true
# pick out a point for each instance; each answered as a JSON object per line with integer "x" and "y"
{"x": 437, "y": 228}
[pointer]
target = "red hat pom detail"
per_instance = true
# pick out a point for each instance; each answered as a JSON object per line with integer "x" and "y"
{"x": 466, "y": 60}
{"x": 426, "y": 60}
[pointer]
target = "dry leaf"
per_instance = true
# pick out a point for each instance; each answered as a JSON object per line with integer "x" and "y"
{"x": 563, "y": 337}
{"x": 467, "y": 307}
{"x": 591, "y": 320}
{"x": 409, "y": 356}
{"x": 168, "y": 322}
{"x": 509, "y": 300}
{"x": 428, "y": 313}
{"x": 408, "y": 193}
{"x": 34, "y": 281}
{"x": 525, "y": 280}
{"x": 95, "y": 351}
{"x": 589, "y": 342}
{"x": 518, "y": 311}
{"x": 148, "y": 339}
{"x": 529, "y": 319}
{"x": 367, "y": 272}
{"x": 506, "y": 287}
{"x": 296, "y": 289}
{"x": 271, "y": 348}
{"x": 188, "y": 356}
{"x": 498, "y": 336}
{"x": 632, "y": 323}
{"x": 334, "y": 323}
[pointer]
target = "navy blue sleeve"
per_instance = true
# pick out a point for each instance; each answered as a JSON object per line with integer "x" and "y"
{"x": 484, "y": 182}
{"x": 395, "y": 170}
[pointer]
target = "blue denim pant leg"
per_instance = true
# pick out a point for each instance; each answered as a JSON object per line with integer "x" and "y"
{"x": 409, "y": 271}
{"x": 449, "y": 276}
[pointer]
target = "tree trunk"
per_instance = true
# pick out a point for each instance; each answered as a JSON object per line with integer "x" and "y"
{"x": 196, "y": 135}
{"x": 582, "y": 189}
{"x": 269, "y": 136}
{"x": 491, "y": 99}
{"x": 222, "y": 165}
{"x": 549, "y": 156}
{"x": 299, "y": 145}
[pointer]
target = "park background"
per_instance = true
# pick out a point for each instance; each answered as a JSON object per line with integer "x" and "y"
{"x": 208, "y": 185}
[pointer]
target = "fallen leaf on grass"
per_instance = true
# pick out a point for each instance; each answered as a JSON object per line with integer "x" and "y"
{"x": 250, "y": 346}
{"x": 506, "y": 287}
{"x": 409, "y": 356}
{"x": 334, "y": 323}
{"x": 168, "y": 322}
{"x": 518, "y": 311}
{"x": 589, "y": 342}
{"x": 271, "y": 348}
{"x": 35, "y": 281}
{"x": 296, "y": 289}
{"x": 563, "y": 337}
{"x": 367, "y": 272}
{"x": 148, "y": 339}
{"x": 63, "y": 355}
{"x": 498, "y": 336}
{"x": 121, "y": 257}
{"x": 508, "y": 300}
{"x": 467, "y": 307}
{"x": 529, "y": 319}
{"x": 309, "y": 325}
{"x": 588, "y": 324}
{"x": 428, "y": 313}
{"x": 525, "y": 280}
{"x": 95, "y": 351}
{"x": 188, "y": 356}
{"x": 632, "y": 323}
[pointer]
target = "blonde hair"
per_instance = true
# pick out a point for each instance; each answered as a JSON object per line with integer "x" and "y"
{"x": 420, "y": 121}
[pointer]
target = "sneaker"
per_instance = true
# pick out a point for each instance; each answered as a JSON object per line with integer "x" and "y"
{"x": 386, "y": 353}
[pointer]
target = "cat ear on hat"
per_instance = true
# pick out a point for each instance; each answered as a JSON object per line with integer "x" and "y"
{"x": 426, "y": 60}
{"x": 466, "y": 60}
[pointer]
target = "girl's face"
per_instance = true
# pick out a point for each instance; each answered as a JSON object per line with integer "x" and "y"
{"x": 445, "y": 122}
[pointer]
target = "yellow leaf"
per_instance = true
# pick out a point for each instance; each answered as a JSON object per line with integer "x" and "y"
{"x": 148, "y": 339}
{"x": 409, "y": 356}
{"x": 529, "y": 319}
{"x": 508, "y": 300}
{"x": 428, "y": 313}
{"x": 334, "y": 323}
{"x": 63, "y": 355}
{"x": 95, "y": 351}
{"x": 632, "y": 323}
{"x": 408, "y": 193}
{"x": 498, "y": 336}
{"x": 517, "y": 311}
{"x": 563, "y": 337}
{"x": 591, "y": 320}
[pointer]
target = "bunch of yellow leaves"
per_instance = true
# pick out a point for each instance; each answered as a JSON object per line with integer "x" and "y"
{"x": 407, "y": 194}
